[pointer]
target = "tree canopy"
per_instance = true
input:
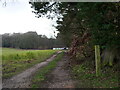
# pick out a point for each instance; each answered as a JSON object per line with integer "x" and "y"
{"x": 84, "y": 24}
{"x": 30, "y": 40}
{"x": 99, "y": 19}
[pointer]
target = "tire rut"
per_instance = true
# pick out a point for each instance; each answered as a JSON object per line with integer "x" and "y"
{"x": 59, "y": 77}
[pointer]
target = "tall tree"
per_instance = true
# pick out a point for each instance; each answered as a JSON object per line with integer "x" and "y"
{"x": 94, "y": 23}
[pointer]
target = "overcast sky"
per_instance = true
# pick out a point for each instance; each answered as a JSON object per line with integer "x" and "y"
{"x": 17, "y": 17}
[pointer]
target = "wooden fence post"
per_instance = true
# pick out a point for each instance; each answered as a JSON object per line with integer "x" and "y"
{"x": 97, "y": 60}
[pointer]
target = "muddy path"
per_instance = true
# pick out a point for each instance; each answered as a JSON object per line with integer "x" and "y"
{"x": 23, "y": 80}
{"x": 60, "y": 76}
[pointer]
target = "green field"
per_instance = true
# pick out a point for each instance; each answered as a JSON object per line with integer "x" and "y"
{"x": 17, "y": 60}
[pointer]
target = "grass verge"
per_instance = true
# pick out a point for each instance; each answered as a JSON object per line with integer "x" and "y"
{"x": 85, "y": 74}
{"x": 41, "y": 75}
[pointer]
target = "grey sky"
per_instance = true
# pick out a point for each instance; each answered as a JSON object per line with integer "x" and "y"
{"x": 17, "y": 17}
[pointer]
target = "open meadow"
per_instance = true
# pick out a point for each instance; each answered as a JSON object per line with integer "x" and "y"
{"x": 15, "y": 61}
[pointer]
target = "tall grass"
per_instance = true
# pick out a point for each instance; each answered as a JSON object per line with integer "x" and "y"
{"x": 16, "y": 54}
{"x": 15, "y": 60}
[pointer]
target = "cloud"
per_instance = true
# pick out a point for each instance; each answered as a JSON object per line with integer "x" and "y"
{"x": 18, "y": 17}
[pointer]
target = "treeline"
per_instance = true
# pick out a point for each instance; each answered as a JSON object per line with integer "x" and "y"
{"x": 84, "y": 25}
{"x": 30, "y": 40}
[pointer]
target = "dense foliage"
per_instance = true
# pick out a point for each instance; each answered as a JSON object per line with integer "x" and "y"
{"x": 30, "y": 40}
{"x": 101, "y": 19}
{"x": 83, "y": 25}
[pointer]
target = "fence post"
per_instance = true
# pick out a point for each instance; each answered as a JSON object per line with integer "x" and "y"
{"x": 97, "y": 60}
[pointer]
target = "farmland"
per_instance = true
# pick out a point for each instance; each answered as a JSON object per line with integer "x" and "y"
{"x": 17, "y": 60}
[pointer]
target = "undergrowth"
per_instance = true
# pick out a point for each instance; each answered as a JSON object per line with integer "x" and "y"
{"x": 85, "y": 74}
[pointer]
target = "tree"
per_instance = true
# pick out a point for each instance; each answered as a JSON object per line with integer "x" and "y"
{"x": 30, "y": 40}
{"x": 85, "y": 24}
{"x": 6, "y": 40}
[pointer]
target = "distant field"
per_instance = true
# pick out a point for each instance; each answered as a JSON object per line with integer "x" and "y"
{"x": 11, "y": 51}
{"x": 17, "y": 60}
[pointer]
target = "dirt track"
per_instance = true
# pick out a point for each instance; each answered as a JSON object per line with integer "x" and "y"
{"x": 23, "y": 80}
{"x": 59, "y": 77}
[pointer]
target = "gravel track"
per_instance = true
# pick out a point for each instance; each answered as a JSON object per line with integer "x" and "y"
{"x": 59, "y": 77}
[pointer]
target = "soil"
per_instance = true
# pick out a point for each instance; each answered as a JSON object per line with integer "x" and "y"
{"x": 23, "y": 80}
{"x": 60, "y": 77}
